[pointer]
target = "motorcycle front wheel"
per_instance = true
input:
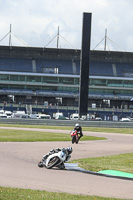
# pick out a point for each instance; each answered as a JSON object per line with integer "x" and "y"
{"x": 73, "y": 139}
{"x": 53, "y": 162}
{"x": 40, "y": 164}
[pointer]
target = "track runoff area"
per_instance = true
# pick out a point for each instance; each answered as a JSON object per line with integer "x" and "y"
{"x": 106, "y": 173}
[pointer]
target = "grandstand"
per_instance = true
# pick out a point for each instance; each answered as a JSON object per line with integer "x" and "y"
{"x": 46, "y": 74}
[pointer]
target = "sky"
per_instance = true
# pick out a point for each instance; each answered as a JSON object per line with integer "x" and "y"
{"x": 35, "y": 23}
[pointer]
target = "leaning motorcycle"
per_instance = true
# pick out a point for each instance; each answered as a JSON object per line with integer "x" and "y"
{"x": 74, "y": 136}
{"x": 54, "y": 160}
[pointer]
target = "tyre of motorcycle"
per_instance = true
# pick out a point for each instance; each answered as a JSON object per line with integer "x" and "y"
{"x": 77, "y": 141}
{"x": 73, "y": 139}
{"x": 53, "y": 162}
{"x": 40, "y": 164}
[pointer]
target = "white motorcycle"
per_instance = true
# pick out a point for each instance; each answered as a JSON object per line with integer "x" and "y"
{"x": 56, "y": 158}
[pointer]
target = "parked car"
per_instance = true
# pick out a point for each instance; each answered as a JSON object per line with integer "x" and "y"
{"x": 98, "y": 119}
{"x": 62, "y": 117}
{"x": 74, "y": 116}
{"x": 3, "y": 116}
{"x": 125, "y": 120}
{"x": 44, "y": 116}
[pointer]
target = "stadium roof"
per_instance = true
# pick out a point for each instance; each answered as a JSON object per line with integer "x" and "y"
{"x": 55, "y": 53}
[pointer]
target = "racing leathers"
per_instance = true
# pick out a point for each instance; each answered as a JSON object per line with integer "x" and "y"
{"x": 79, "y": 131}
{"x": 61, "y": 166}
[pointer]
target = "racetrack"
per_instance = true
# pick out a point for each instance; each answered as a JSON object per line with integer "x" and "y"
{"x": 19, "y": 166}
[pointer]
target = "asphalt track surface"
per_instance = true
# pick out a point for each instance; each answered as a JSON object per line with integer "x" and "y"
{"x": 19, "y": 168}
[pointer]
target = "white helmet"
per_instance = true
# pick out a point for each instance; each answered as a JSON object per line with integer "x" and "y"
{"x": 76, "y": 125}
{"x": 69, "y": 150}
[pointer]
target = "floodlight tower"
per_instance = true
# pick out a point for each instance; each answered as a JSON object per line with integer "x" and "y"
{"x": 84, "y": 64}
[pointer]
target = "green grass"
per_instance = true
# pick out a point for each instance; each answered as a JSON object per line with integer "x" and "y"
{"x": 109, "y": 130}
{"x": 122, "y": 162}
{"x": 23, "y": 194}
{"x": 92, "y": 129}
{"x": 8, "y": 135}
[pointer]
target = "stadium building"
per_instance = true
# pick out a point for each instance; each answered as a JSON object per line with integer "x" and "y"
{"x": 37, "y": 75}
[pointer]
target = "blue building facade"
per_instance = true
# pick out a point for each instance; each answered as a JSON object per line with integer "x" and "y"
{"x": 38, "y": 75}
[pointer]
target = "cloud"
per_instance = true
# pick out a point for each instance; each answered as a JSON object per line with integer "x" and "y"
{"x": 36, "y": 22}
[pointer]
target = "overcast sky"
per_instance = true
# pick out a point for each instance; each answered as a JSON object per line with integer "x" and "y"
{"x": 36, "y": 23}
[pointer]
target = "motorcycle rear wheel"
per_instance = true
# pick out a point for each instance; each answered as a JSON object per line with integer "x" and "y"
{"x": 53, "y": 162}
{"x": 77, "y": 141}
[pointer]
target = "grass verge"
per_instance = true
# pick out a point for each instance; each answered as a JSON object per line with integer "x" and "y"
{"x": 92, "y": 129}
{"x": 122, "y": 162}
{"x": 26, "y": 194}
{"x": 125, "y": 161}
{"x": 8, "y": 135}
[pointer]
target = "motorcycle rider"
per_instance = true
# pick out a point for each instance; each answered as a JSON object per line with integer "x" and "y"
{"x": 67, "y": 150}
{"x": 79, "y": 130}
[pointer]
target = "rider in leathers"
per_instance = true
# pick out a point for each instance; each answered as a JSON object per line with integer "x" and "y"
{"x": 79, "y": 130}
{"x": 68, "y": 151}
